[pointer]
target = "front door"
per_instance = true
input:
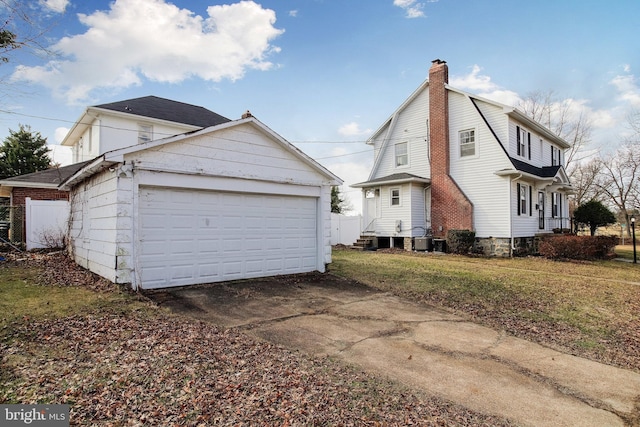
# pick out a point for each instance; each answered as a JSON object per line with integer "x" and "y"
{"x": 370, "y": 210}
{"x": 541, "y": 210}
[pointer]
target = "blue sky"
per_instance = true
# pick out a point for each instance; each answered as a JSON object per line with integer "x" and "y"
{"x": 324, "y": 74}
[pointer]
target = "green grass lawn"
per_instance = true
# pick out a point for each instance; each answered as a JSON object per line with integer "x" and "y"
{"x": 23, "y": 299}
{"x": 589, "y": 307}
{"x": 626, "y": 251}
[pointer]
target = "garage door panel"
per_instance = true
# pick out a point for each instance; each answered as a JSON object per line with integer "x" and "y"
{"x": 194, "y": 236}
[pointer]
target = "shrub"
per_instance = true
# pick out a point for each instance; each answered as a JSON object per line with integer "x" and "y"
{"x": 577, "y": 247}
{"x": 460, "y": 241}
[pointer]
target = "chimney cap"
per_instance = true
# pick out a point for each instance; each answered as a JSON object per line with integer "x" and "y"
{"x": 247, "y": 114}
{"x": 438, "y": 61}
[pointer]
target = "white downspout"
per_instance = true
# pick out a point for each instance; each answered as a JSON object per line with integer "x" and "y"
{"x": 511, "y": 179}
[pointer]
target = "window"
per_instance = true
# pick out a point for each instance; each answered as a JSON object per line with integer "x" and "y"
{"x": 524, "y": 142}
{"x": 467, "y": 142}
{"x": 395, "y": 197}
{"x": 402, "y": 155}
{"x": 555, "y": 156}
{"x": 524, "y": 199}
{"x": 145, "y": 133}
{"x": 556, "y": 205}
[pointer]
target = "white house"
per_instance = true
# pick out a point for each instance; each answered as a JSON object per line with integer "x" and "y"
{"x": 230, "y": 201}
{"x": 447, "y": 159}
{"x": 120, "y": 124}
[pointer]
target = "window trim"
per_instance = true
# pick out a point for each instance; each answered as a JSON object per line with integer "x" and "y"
{"x": 405, "y": 155}
{"x": 392, "y": 197}
{"x": 472, "y": 132}
{"x": 523, "y": 142}
{"x": 524, "y": 198}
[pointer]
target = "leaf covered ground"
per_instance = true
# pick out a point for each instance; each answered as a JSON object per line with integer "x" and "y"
{"x": 126, "y": 363}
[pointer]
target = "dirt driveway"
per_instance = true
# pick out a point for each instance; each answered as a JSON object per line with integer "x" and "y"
{"x": 420, "y": 346}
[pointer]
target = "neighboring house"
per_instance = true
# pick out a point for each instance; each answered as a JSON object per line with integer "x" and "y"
{"x": 231, "y": 201}
{"x": 103, "y": 128}
{"x": 447, "y": 160}
{"x": 42, "y": 185}
{"x": 107, "y": 127}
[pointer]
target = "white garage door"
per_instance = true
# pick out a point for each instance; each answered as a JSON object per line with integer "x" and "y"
{"x": 191, "y": 236}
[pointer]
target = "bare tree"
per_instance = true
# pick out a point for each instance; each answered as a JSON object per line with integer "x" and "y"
{"x": 565, "y": 118}
{"x": 587, "y": 180}
{"x": 619, "y": 179}
{"x": 22, "y": 28}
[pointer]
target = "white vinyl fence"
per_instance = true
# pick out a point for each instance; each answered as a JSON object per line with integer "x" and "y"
{"x": 345, "y": 230}
{"x": 46, "y": 223}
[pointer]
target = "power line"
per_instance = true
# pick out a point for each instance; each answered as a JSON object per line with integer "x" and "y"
{"x": 418, "y": 137}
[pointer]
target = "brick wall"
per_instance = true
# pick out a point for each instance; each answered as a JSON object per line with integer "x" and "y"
{"x": 450, "y": 207}
{"x": 20, "y": 194}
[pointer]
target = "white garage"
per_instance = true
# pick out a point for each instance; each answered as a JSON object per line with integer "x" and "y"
{"x": 233, "y": 201}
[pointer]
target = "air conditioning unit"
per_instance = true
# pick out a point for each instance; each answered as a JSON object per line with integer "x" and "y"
{"x": 423, "y": 244}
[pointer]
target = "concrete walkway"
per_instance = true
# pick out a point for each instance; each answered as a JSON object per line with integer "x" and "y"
{"x": 421, "y": 347}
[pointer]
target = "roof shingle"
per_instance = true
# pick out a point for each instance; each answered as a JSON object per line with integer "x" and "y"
{"x": 166, "y": 109}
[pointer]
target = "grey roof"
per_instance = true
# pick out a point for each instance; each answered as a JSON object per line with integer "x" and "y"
{"x": 396, "y": 178}
{"x": 53, "y": 176}
{"x": 543, "y": 172}
{"x": 166, "y": 109}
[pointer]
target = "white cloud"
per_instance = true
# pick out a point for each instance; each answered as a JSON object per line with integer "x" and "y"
{"x": 628, "y": 89}
{"x": 59, "y": 134}
{"x": 57, "y": 6}
{"x": 353, "y": 129}
{"x": 156, "y": 40}
{"x": 482, "y": 85}
{"x": 411, "y": 7}
{"x": 293, "y": 13}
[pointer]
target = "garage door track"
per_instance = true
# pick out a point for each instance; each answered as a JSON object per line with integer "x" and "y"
{"x": 420, "y": 346}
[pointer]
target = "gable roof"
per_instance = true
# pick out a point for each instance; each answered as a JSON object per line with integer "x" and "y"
{"x": 509, "y": 111}
{"x": 111, "y": 158}
{"x": 49, "y": 178}
{"x": 166, "y": 109}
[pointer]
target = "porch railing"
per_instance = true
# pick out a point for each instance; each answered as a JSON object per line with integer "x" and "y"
{"x": 370, "y": 228}
{"x": 558, "y": 223}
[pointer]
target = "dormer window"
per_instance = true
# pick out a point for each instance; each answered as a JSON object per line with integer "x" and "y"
{"x": 402, "y": 154}
{"x": 145, "y": 133}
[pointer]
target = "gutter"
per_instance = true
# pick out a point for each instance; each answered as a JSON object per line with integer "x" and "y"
{"x": 97, "y": 165}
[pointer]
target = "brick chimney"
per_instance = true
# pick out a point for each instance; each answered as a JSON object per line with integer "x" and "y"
{"x": 450, "y": 207}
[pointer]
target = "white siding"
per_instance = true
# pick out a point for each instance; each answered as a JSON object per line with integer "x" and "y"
{"x": 498, "y": 121}
{"x": 242, "y": 159}
{"x": 386, "y": 223}
{"x": 540, "y": 148}
{"x": 121, "y": 132}
{"x": 525, "y": 224}
{"x": 108, "y": 133}
{"x": 240, "y": 151}
{"x": 409, "y": 126}
{"x": 92, "y": 238}
{"x": 418, "y": 222}
{"x": 476, "y": 175}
